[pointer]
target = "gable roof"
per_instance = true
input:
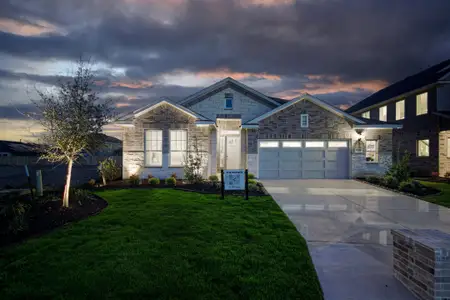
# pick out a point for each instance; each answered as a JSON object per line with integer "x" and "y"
{"x": 424, "y": 78}
{"x": 229, "y": 82}
{"x": 314, "y": 100}
{"x": 128, "y": 118}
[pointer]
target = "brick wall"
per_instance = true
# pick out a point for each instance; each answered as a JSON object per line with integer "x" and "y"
{"x": 163, "y": 118}
{"x": 247, "y": 107}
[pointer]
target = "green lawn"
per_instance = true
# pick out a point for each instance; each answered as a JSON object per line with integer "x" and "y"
{"x": 443, "y": 198}
{"x": 165, "y": 244}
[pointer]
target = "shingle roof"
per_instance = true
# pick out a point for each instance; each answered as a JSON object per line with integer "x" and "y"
{"x": 411, "y": 83}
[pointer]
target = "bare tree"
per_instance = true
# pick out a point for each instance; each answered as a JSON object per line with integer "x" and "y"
{"x": 72, "y": 116}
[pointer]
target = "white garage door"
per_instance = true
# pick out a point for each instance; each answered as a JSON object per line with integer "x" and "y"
{"x": 290, "y": 159}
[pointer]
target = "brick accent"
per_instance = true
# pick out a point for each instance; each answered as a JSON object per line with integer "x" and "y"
{"x": 247, "y": 107}
{"x": 163, "y": 118}
{"x": 421, "y": 262}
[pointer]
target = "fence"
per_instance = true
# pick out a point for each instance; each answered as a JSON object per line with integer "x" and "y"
{"x": 33, "y": 160}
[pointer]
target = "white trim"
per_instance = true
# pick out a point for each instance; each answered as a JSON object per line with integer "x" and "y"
{"x": 313, "y": 100}
{"x": 130, "y": 125}
{"x": 222, "y": 83}
{"x": 161, "y": 103}
{"x": 250, "y": 126}
{"x": 378, "y": 126}
{"x": 301, "y": 120}
{"x": 447, "y": 75}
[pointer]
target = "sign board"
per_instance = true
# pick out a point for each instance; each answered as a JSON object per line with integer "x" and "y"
{"x": 234, "y": 180}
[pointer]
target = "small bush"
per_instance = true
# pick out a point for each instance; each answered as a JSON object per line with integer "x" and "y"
{"x": 447, "y": 175}
{"x": 253, "y": 187}
{"x": 14, "y": 208}
{"x": 154, "y": 181}
{"x": 135, "y": 180}
{"x": 80, "y": 196}
{"x": 172, "y": 181}
{"x": 252, "y": 181}
{"x": 390, "y": 182}
{"x": 405, "y": 186}
{"x": 400, "y": 170}
{"x": 149, "y": 176}
{"x": 92, "y": 182}
{"x": 214, "y": 178}
{"x": 109, "y": 170}
{"x": 373, "y": 179}
{"x": 174, "y": 175}
{"x": 251, "y": 176}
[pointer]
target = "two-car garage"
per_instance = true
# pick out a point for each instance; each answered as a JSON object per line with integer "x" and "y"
{"x": 307, "y": 159}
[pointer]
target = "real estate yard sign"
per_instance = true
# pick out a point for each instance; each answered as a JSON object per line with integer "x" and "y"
{"x": 235, "y": 180}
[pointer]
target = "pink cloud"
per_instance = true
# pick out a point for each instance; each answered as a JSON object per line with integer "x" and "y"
{"x": 25, "y": 29}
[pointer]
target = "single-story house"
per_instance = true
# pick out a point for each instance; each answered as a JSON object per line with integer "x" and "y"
{"x": 237, "y": 127}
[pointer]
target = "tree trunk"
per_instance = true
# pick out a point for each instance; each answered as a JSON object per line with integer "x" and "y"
{"x": 67, "y": 187}
{"x": 104, "y": 179}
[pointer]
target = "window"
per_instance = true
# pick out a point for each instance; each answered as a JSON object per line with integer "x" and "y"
{"x": 383, "y": 113}
{"x": 292, "y": 144}
{"x": 304, "y": 122}
{"x": 268, "y": 144}
{"x": 228, "y": 101}
{"x": 400, "y": 110}
{"x": 340, "y": 144}
{"x": 423, "y": 148}
{"x": 153, "y": 148}
{"x": 366, "y": 114}
{"x": 371, "y": 151}
{"x": 314, "y": 144}
{"x": 422, "y": 104}
{"x": 178, "y": 146}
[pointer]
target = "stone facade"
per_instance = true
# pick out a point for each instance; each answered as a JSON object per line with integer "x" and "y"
{"x": 246, "y": 106}
{"x": 421, "y": 261}
{"x": 164, "y": 118}
{"x": 444, "y": 153}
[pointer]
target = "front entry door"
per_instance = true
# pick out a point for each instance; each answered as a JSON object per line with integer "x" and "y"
{"x": 232, "y": 152}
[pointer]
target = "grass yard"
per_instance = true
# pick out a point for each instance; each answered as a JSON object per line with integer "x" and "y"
{"x": 443, "y": 198}
{"x": 165, "y": 244}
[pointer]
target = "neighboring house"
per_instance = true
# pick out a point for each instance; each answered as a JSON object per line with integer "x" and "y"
{"x": 112, "y": 146}
{"x": 239, "y": 127}
{"x": 9, "y": 148}
{"x": 421, "y": 103}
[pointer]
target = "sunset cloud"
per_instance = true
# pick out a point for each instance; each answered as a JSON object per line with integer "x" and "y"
{"x": 28, "y": 29}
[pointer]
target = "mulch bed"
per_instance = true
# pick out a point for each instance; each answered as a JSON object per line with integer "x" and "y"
{"x": 424, "y": 191}
{"x": 51, "y": 215}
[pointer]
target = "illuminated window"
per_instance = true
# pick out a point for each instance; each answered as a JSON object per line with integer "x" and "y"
{"x": 372, "y": 151}
{"x": 314, "y": 144}
{"x": 423, "y": 148}
{"x": 178, "y": 147}
{"x": 366, "y": 114}
{"x": 400, "y": 110}
{"x": 292, "y": 144}
{"x": 337, "y": 144}
{"x": 304, "y": 121}
{"x": 153, "y": 148}
{"x": 268, "y": 144}
{"x": 383, "y": 113}
{"x": 422, "y": 104}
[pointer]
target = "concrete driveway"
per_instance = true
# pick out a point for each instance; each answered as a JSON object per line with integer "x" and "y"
{"x": 347, "y": 226}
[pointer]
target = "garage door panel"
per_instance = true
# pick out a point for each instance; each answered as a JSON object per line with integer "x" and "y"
{"x": 269, "y": 155}
{"x": 332, "y": 155}
{"x": 313, "y": 154}
{"x": 269, "y": 164}
{"x": 268, "y": 174}
{"x": 290, "y": 154}
{"x": 310, "y": 174}
{"x": 290, "y": 165}
{"x": 291, "y": 174}
{"x": 313, "y": 165}
{"x": 332, "y": 165}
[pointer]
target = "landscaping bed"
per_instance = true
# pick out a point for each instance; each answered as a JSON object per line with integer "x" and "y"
{"x": 45, "y": 213}
{"x": 413, "y": 187}
{"x": 166, "y": 244}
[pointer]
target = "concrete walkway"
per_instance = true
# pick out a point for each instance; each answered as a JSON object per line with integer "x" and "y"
{"x": 347, "y": 226}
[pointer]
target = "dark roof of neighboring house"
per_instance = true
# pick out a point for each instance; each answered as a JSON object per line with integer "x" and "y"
{"x": 411, "y": 83}
{"x": 18, "y": 148}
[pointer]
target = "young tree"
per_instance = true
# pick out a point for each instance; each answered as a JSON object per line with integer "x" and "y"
{"x": 72, "y": 116}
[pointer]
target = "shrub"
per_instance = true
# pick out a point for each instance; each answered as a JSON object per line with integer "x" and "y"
{"x": 390, "y": 182}
{"x": 92, "y": 182}
{"x": 134, "y": 179}
{"x": 447, "y": 175}
{"x": 149, "y": 176}
{"x": 194, "y": 162}
{"x": 14, "y": 208}
{"x": 252, "y": 181}
{"x": 79, "y": 195}
{"x": 154, "y": 181}
{"x": 214, "y": 178}
{"x": 405, "y": 186}
{"x": 174, "y": 175}
{"x": 400, "y": 170}
{"x": 109, "y": 170}
{"x": 251, "y": 176}
{"x": 373, "y": 179}
{"x": 434, "y": 174}
{"x": 171, "y": 181}
{"x": 252, "y": 187}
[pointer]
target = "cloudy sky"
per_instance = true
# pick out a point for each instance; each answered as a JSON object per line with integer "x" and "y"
{"x": 339, "y": 50}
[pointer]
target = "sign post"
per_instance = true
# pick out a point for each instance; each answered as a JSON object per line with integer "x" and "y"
{"x": 234, "y": 180}
{"x": 30, "y": 185}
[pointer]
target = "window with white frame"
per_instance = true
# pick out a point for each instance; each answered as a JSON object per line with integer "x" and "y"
{"x": 304, "y": 121}
{"x": 268, "y": 144}
{"x": 383, "y": 113}
{"x": 178, "y": 147}
{"x": 423, "y": 148}
{"x": 228, "y": 101}
{"x": 366, "y": 114}
{"x": 371, "y": 151}
{"x": 422, "y": 104}
{"x": 400, "y": 110}
{"x": 292, "y": 144}
{"x": 153, "y": 148}
{"x": 314, "y": 144}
